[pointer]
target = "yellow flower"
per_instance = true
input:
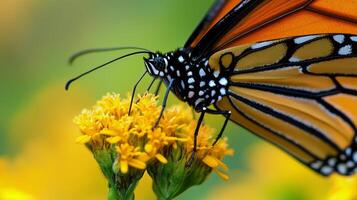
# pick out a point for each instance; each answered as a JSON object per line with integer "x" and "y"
{"x": 211, "y": 156}
{"x": 180, "y": 172}
{"x": 176, "y": 118}
{"x": 129, "y": 155}
{"x": 108, "y": 123}
{"x": 215, "y": 155}
{"x": 125, "y": 144}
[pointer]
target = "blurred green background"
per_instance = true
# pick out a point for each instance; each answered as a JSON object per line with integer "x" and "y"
{"x": 38, "y": 156}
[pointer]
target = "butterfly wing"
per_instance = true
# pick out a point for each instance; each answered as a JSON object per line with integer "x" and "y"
{"x": 214, "y": 14}
{"x": 345, "y": 11}
{"x": 256, "y": 20}
{"x": 299, "y": 93}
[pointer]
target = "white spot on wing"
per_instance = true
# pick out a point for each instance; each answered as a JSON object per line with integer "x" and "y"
{"x": 345, "y": 50}
{"x": 355, "y": 156}
{"x": 354, "y": 38}
{"x": 261, "y": 44}
{"x": 300, "y": 40}
{"x": 342, "y": 168}
{"x": 350, "y": 164}
{"x": 316, "y": 165}
{"x": 332, "y": 161}
{"x": 294, "y": 59}
{"x": 223, "y": 81}
{"x": 326, "y": 170}
{"x": 191, "y": 80}
{"x": 348, "y": 151}
{"x": 339, "y": 38}
{"x": 190, "y": 94}
{"x": 222, "y": 91}
{"x": 202, "y": 83}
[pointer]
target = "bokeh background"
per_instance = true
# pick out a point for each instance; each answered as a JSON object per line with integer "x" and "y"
{"x": 38, "y": 156}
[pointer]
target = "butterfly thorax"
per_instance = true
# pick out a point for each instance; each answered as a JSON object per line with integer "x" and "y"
{"x": 193, "y": 81}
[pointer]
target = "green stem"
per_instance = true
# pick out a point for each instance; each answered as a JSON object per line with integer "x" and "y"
{"x": 114, "y": 194}
{"x": 163, "y": 198}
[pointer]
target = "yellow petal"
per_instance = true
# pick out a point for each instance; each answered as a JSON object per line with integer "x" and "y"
{"x": 229, "y": 152}
{"x": 137, "y": 164}
{"x": 211, "y": 161}
{"x": 182, "y": 139}
{"x": 148, "y": 148}
{"x": 108, "y": 132}
{"x": 83, "y": 139}
{"x": 222, "y": 175}
{"x": 113, "y": 140}
{"x": 124, "y": 166}
{"x": 144, "y": 157}
{"x": 221, "y": 164}
{"x": 161, "y": 158}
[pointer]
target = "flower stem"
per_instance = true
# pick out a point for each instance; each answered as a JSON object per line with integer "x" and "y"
{"x": 114, "y": 194}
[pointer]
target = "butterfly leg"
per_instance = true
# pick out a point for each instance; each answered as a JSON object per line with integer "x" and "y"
{"x": 227, "y": 115}
{"x": 199, "y": 122}
{"x": 164, "y": 101}
{"x": 150, "y": 85}
{"x": 134, "y": 89}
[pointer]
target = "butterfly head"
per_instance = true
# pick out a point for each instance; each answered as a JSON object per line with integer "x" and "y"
{"x": 156, "y": 65}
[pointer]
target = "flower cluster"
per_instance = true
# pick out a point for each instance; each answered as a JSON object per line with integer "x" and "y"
{"x": 126, "y": 143}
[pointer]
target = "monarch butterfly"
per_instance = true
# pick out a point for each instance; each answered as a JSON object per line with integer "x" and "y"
{"x": 273, "y": 67}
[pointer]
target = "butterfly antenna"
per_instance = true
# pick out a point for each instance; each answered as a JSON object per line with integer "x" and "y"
{"x": 102, "y": 65}
{"x": 78, "y": 54}
{"x": 134, "y": 89}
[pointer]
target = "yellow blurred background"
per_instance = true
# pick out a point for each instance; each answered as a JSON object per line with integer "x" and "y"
{"x": 38, "y": 156}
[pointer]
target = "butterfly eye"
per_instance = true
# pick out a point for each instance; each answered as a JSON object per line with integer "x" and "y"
{"x": 160, "y": 63}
